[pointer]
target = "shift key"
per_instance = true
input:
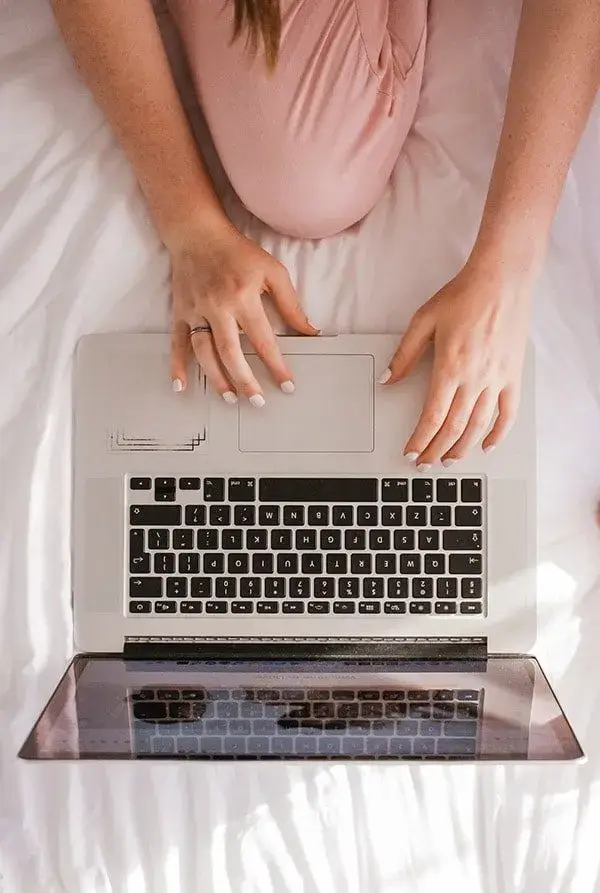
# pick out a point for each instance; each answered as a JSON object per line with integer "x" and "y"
{"x": 159, "y": 515}
{"x": 462, "y": 540}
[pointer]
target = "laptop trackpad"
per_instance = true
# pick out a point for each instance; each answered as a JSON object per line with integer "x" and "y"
{"x": 331, "y": 411}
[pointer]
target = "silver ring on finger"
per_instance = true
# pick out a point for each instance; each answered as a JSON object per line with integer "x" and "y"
{"x": 202, "y": 329}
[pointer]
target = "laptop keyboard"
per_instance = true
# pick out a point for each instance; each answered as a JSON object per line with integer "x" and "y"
{"x": 288, "y": 546}
{"x": 303, "y": 723}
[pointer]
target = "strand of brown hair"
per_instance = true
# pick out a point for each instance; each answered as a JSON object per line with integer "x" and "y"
{"x": 262, "y": 21}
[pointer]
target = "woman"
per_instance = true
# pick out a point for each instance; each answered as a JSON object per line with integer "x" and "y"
{"x": 309, "y": 119}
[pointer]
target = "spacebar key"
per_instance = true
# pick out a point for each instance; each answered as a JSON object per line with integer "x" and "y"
{"x": 159, "y": 515}
{"x": 317, "y": 489}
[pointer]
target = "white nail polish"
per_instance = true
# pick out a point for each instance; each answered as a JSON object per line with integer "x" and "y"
{"x": 489, "y": 449}
{"x": 385, "y": 377}
{"x": 410, "y": 457}
{"x": 288, "y": 387}
{"x": 230, "y": 397}
{"x": 448, "y": 462}
{"x": 423, "y": 467}
{"x": 177, "y": 385}
{"x": 257, "y": 400}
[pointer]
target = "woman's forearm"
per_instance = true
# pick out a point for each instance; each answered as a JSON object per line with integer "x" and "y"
{"x": 554, "y": 79}
{"x": 118, "y": 49}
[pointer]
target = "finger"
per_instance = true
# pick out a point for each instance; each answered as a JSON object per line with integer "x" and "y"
{"x": 180, "y": 355}
{"x": 226, "y": 338}
{"x": 286, "y": 300}
{"x": 257, "y": 328}
{"x": 508, "y": 405}
{"x": 478, "y": 424}
{"x": 208, "y": 361}
{"x": 435, "y": 411}
{"x": 411, "y": 348}
{"x": 450, "y": 430}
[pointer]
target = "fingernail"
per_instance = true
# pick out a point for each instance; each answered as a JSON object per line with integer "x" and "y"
{"x": 385, "y": 377}
{"x": 288, "y": 387}
{"x": 448, "y": 462}
{"x": 410, "y": 457}
{"x": 423, "y": 467}
{"x": 177, "y": 385}
{"x": 257, "y": 400}
{"x": 490, "y": 448}
{"x": 230, "y": 397}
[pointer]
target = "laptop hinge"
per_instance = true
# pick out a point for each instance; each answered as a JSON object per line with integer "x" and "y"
{"x": 233, "y": 648}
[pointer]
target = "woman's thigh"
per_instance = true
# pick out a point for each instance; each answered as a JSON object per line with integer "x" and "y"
{"x": 309, "y": 147}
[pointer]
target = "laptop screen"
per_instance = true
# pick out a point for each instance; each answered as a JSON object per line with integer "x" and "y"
{"x": 106, "y": 707}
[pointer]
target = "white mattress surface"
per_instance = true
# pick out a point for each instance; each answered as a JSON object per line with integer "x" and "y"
{"x": 77, "y": 256}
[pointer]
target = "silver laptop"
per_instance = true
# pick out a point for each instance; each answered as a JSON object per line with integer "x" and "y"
{"x": 280, "y": 583}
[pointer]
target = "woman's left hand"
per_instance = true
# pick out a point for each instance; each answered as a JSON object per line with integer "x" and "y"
{"x": 479, "y": 325}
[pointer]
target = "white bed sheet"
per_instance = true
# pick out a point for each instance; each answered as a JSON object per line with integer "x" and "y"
{"x": 76, "y": 256}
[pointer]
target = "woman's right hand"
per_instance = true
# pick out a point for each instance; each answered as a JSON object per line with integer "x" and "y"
{"x": 219, "y": 279}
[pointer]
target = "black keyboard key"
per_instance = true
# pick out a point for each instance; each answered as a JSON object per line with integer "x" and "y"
{"x": 470, "y": 490}
{"x": 391, "y": 515}
{"x": 240, "y": 607}
{"x": 447, "y": 490}
{"x": 371, "y": 709}
{"x": 418, "y": 695}
{"x": 293, "y": 608}
{"x": 189, "y": 483}
{"x": 244, "y": 515}
{"x": 207, "y": 539}
{"x": 201, "y": 587}
{"x": 257, "y": 540}
{"x": 262, "y": 563}
{"x": 348, "y": 587}
{"x": 404, "y": 540}
{"x": 214, "y": 563}
{"x": 267, "y": 608}
{"x": 165, "y": 489}
{"x": 242, "y": 489}
{"x": 190, "y": 607}
{"x": 444, "y": 694}
{"x": 422, "y": 490}
{"x": 155, "y": 515}
{"x": 379, "y": 540}
{"x": 468, "y": 516}
{"x": 445, "y": 608}
{"x": 372, "y": 587}
{"x": 330, "y": 540}
{"x": 465, "y": 564}
{"x": 471, "y": 608}
{"x": 462, "y": 540}
{"x": 440, "y": 516}
{"x": 394, "y": 490}
{"x": 344, "y": 608}
{"x": 177, "y": 587}
{"x": 318, "y": 489}
{"x": 459, "y": 747}
{"x": 214, "y": 489}
{"x": 268, "y": 515}
{"x": 232, "y": 540}
{"x": 299, "y": 587}
{"x": 138, "y": 607}
{"x": 281, "y": 540}
{"x": 410, "y": 564}
{"x": 360, "y": 563}
{"x": 424, "y": 746}
{"x": 318, "y": 515}
{"x": 446, "y": 587}
{"x": 312, "y": 564}
{"x": 397, "y": 587}
{"x": 467, "y": 694}
{"x": 420, "y": 608}
{"x": 150, "y": 710}
{"x": 466, "y": 711}
{"x": 369, "y": 608}
{"x": 293, "y": 515}
{"x": 367, "y": 516}
{"x": 422, "y": 587}
{"x": 220, "y": 515}
{"x": 164, "y": 563}
{"x": 275, "y": 587}
{"x": 385, "y": 563}
{"x": 471, "y": 587}
{"x": 136, "y": 542}
{"x": 140, "y": 484}
{"x": 336, "y": 564}
{"x": 394, "y": 608}
{"x": 416, "y": 516}
{"x": 456, "y": 728}
{"x": 324, "y": 587}
{"x": 250, "y": 587}
{"x": 355, "y": 540}
{"x": 164, "y": 607}
{"x": 195, "y": 515}
{"x": 238, "y": 563}
{"x": 287, "y": 564}
{"x": 139, "y": 564}
{"x": 306, "y": 539}
{"x": 343, "y": 516}
{"x": 318, "y": 607}
{"x": 217, "y": 607}
{"x": 159, "y": 540}
{"x": 429, "y": 540}
{"x": 183, "y": 539}
{"x": 435, "y": 564}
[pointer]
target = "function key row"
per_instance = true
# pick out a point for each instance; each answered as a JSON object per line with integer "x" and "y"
{"x": 248, "y": 607}
{"x": 324, "y": 490}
